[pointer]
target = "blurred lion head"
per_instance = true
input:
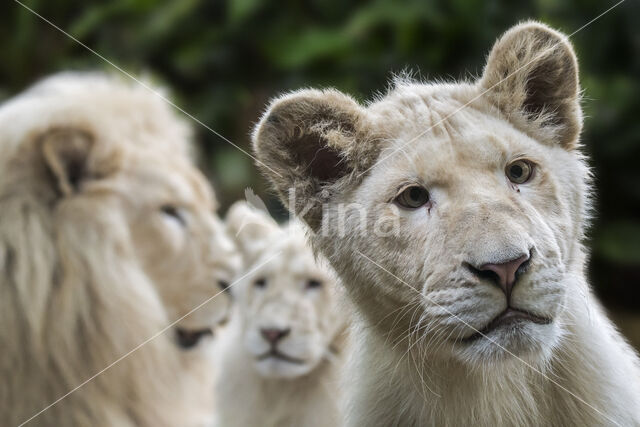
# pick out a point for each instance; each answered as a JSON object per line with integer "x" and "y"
{"x": 288, "y": 303}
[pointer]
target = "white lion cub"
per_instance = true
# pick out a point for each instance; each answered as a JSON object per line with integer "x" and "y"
{"x": 281, "y": 356}
{"x": 476, "y": 309}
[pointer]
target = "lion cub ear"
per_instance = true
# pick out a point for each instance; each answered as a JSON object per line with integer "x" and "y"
{"x": 66, "y": 154}
{"x": 532, "y": 77}
{"x": 311, "y": 144}
{"x": 251, "y": 229}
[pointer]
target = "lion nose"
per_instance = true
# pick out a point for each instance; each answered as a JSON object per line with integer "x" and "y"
{"x": 505, "y": 273}
{"x": 273, "y": 335}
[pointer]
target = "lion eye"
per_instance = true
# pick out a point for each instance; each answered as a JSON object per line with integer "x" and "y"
{"x": 224, "y": 285}
{"x": 260, "y": 283}
{"x": 412, "y": 197}
{"x": 313, "y": 284}
{"x": 174, "y": 213}
{"x": 519, "y": 171}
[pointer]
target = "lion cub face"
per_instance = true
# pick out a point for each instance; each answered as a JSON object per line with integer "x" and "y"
{"x": 286, "y": 302}
{"x": 473, "y": 199}
{"x": 485, "y": 232}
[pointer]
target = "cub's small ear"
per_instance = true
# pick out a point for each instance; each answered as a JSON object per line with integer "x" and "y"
{"x": 66, "y": 154}
{"x": 313, "y": 143}
{"x": 251, "y": 229}
{"x": 532, "y": 77}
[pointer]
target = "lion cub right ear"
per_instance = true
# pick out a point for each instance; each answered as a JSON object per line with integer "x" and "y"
{"x": 532, "y": 76}
{"x": 251, "y": 229}
{"x": 66, "y": 154}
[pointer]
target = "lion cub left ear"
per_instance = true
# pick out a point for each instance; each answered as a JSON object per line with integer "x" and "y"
{"x": 66, "y": 154}
{"x": 532, "y": 77}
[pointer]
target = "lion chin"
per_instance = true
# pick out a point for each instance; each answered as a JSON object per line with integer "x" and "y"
{"x": 278, "y": 365}
{"x": 518, "y": 339}
{"x": 107, "y": 236}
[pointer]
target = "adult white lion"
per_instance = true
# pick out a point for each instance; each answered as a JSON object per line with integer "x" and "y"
{"x": 107, "y": 235}
{"x": 279, "y": 362}
{"x": 476, "y": 311}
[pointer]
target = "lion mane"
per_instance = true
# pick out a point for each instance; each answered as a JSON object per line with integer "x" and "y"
{"x": 79, "y": 314}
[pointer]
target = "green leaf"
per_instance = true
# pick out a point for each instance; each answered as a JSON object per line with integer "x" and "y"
{"x": 240, "y": 10}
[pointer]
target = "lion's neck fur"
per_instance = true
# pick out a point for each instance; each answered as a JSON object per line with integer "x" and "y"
{"x": 591, "y": 378}
{"x": 65, "y": 317}
{"x": 245, "y": 398}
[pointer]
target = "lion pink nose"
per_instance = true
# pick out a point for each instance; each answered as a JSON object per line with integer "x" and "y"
{"x": 505, "y": 272}
{"x": 273, "y": 335}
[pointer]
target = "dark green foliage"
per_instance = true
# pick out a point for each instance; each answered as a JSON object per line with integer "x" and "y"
{"x": 224, "y": 60}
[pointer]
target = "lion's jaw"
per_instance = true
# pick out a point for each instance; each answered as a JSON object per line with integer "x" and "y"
{"x": 286, "y": 302}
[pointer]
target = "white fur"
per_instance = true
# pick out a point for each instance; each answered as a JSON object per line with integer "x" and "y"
{"x": 92, "y": 266}
{"x": 272, "y": 392}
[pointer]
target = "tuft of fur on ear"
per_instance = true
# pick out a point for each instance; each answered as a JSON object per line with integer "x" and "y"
{"x": 532, "y": 77}
{"x": 314, "y": 143}
{"x": 251, "y": 229}
{"x": 66, "y": 153}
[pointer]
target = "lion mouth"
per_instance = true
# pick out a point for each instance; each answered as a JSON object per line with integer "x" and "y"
{"x": 509, "y": 317}
{"x": 275, "y": 354}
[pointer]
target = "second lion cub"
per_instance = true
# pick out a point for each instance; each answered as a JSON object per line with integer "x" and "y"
{"x": 282, "y": 353}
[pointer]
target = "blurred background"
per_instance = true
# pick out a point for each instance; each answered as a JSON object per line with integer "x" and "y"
{"x": 223, "y": 60}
